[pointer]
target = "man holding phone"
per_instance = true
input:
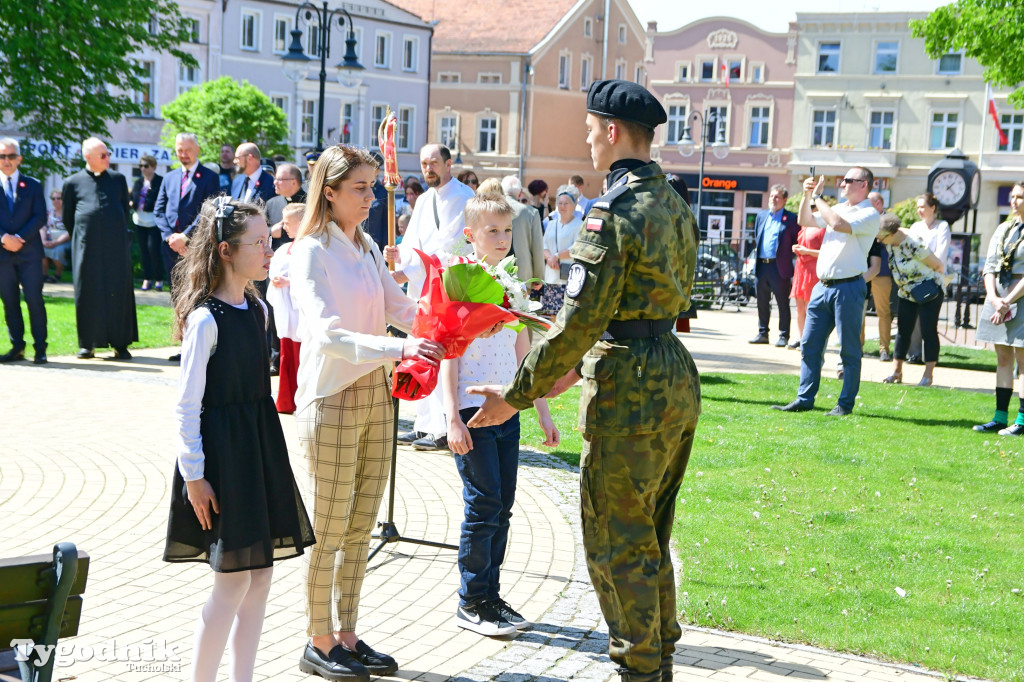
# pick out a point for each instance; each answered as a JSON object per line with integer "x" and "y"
{"x": 837, "y": 301}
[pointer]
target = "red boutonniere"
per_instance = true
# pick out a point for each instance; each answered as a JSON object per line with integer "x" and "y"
{"x": 196, "y": 174}
{"x": 21, "y": 184}
{"x": 784, "y": 217}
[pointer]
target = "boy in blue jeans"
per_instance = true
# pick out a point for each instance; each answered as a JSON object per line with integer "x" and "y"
{"x": 487, "y": 458}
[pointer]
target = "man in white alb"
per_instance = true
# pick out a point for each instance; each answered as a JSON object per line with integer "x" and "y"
{"x": 837, "y": 300}
{"x": 435, "y": 229}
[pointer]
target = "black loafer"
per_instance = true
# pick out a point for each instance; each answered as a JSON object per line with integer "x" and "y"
{"x": 795, "y": 406}
{"x": 428, "y": 443}
{"x": 12, "y": 356}
{"x": 337, "y": 665}
{"x": 377, "y": 663}
{"x": 85, "y": 354}
{"x": 991, "y": 427}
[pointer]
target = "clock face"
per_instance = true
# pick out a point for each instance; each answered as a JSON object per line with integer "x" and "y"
{"x": 949, "y": 187}
{"x": 975, "y": 189}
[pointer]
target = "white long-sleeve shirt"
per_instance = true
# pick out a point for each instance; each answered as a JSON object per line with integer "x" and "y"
{"x": 424, "y": 234}
{"x": 286, "y": 316}
{"x": 198, "y": 343}
{"x": 345, "y": 297}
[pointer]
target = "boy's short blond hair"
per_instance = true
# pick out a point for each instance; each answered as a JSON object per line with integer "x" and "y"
{"x": 293, "y": 209}
{"x": 483, "y": 202}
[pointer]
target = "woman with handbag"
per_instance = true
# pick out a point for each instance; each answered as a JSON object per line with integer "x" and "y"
{"x": 1001, "y": 321}
{"x": 917, "y": 274}
{"x": 563, "y": 226}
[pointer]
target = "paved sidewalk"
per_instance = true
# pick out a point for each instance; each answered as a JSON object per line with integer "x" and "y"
{"x": 87, "y": 458}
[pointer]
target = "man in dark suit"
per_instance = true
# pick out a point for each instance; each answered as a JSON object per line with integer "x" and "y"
{"x": 181, "y": 195}
{"x": 22, "y": 214}
{"x": 775, "y": 233}
{"x": 251, "y": 182}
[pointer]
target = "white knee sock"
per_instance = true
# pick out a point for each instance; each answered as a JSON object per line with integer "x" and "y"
{"x": 214, "y": 624}
{"x": 248, "y": 626}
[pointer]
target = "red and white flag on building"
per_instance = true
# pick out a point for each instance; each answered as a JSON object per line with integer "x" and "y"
{"x": 995, "y": 118}
{"x": 725, "y": 75}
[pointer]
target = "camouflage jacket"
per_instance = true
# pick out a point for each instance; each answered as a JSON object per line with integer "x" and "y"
{"x": 634, "y": 258}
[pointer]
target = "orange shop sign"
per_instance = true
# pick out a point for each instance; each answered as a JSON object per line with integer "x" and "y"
{"x": 719, "y": 183}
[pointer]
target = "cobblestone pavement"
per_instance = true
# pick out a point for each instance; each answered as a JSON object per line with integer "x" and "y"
{"x": 86, "y": 457}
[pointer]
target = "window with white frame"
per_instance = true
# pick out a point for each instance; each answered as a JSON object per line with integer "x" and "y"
{"x": 620, "y": 70}
{"x": 488, "y": 78}
{"x": 944, "y": 126}
{"x": 487, "y": 134}
{"x": 250, "y": 36}
{"x": 718, "y": 119}
{"x": 639, "y": 75}
{"x": 306, "y": 121}
{"x": 760, "y": 119}
{"x": 154, "y": 25}
{"x": 192, "y": 29}
{"x": 404, "y": 134}
{"x": 313, "y": 40}
{"x": 346, "y": 123}
{"x": 828, "y": 57}
{"x": 281, "y": 102}
{"x": 586, "y": 65}
{"x": 676, "y": 123}
{"x": 564, "y": 65}
{"x": 410, "y": 52}
{"x": 622, "y": 34}
{"x": 707, "y": 70}
{"x": 886, "y": 56}
{"x": 382, "y": 51}
{"x": 449, "y": 126}
{"x": 880, "y": 127}
{"x": 950, "y": 64}
{"x": 449, "y": 77}
{"x": 683, "y": 72}
{"x": 735, "y": 67}
{"x": 377, "y": 113}
{"x": 144, "y": 95}
{"x": 823, "y": 128}
{"x": 1013, "y": 128}
{"x": 588, "y": 27}
{"x": 282, "y": 29}
{"x": 188, "y": 77}
{"x": 757, "y": 72}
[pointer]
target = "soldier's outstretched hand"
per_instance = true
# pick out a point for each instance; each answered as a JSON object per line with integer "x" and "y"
{"x": 494, "y": 411}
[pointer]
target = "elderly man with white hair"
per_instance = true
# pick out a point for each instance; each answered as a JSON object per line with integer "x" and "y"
{"x": 96, "y": 214}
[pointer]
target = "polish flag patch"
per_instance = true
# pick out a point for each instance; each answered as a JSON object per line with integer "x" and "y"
{"x": 595, "y": 224}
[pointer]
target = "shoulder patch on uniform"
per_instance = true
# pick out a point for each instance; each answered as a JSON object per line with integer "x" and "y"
{"x": 595, "y": 224}
{"x": 606, "y": 200}
{"x": 574, "y": 283}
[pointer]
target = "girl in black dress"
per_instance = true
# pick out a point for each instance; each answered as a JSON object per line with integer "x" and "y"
{"x": 234, "y": 502}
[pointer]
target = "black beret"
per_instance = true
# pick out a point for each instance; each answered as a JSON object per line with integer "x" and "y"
{"x": 627, "y": 101}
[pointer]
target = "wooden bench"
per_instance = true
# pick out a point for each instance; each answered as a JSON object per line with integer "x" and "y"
{"x": 40, "y": 600}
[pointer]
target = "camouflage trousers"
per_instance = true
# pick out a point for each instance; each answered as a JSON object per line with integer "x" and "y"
{"x": 628, "y": 489}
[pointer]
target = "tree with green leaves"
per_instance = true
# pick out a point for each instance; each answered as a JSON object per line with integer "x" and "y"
{"x": 225, "y": 111}
{"x": 988, "y": 31}
{"x": 69, "y": 68}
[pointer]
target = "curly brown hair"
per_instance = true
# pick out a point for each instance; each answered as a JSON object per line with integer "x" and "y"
{"x": 199, "y": 272}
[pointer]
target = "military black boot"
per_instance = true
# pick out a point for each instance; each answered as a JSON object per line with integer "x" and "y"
{"x": 627, "y": 675}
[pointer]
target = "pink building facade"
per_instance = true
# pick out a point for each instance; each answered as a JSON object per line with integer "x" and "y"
{"x": 741, "y": 79}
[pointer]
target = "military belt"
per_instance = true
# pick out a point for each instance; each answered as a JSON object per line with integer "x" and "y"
{"x": 619, "y": 330}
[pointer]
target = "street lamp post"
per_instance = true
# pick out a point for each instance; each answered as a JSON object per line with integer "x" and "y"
{"x": 720, "y": 148}
{"x": 296, "y": 64}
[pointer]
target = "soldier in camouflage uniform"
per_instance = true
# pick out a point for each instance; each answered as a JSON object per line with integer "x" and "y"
{"x": 633, "y": 268}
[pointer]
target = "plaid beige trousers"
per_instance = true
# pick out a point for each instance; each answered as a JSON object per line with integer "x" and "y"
{"x": 346, "y": 438}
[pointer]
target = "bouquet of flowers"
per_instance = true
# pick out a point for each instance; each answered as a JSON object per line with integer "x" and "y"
{"x": 459, "y": 303}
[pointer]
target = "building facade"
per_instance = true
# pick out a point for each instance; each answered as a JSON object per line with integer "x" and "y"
{"x": 509, "y": 81}
{"x": 739, "y": 80}
{"x": 867, "y": 94}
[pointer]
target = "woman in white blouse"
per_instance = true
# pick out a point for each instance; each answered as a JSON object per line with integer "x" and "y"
{"x": 345, "y": 296}
{"x": 562, "y": 228}
{"x": 931, "y": 230}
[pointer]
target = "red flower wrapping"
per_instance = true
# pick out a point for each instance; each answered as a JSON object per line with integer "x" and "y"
{"x": 454, "y": 324}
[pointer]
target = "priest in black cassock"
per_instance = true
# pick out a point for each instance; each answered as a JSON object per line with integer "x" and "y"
{"x": 96, "y": 215}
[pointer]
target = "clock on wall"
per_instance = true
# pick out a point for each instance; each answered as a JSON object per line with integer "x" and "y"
{"x": 956, "y": 184}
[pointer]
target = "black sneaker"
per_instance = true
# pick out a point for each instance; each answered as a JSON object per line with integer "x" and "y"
{"x": 510, "y": 614}
{"x": 430, "y": 443}
{"x": 410, "y": 436}
{"x": 992, "y": 427}
{"x": 483, "y": 619}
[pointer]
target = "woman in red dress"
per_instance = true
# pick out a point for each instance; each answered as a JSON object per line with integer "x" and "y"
{"x": 804, "y": 273}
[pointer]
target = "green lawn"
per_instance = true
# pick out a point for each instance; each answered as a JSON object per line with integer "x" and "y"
{"x": 154, "y": 327}
{"x": 801, "y": 527}
{"x": 956, "y": 357}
